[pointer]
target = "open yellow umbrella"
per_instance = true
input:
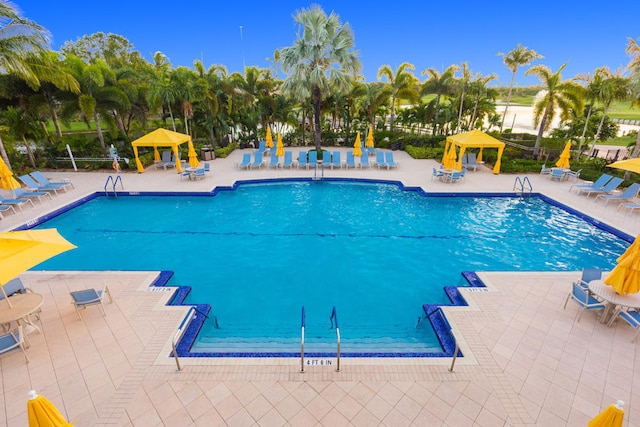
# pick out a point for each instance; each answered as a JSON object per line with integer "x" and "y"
{"x": 7, "y": 181}
{"x": 563, "y": 161}
{"x": 357, "y": 149}
{"x": 269, "y": 139}
{"x": 449, "y": 160}
{"x": 21, "y": 250}
{"x": 610, "y": 417}
{"x": 280, "y": 146}
{"x": 625, "y": 277}
{"x": 369, "y": 142}
{"x": 193, "y": 157}
{"x": 43, "y": 413}
{"x": 631, "y": 165}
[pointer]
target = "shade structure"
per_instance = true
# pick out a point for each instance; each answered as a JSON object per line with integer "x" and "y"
{"x": 42, "y": 413}
{"x": 21, "y": 250}
{"x": 449, "y": 159}
{"x": 160, "y": 138}
{"x": 357, "y": 146}
{"x": 193, "y": 157}
{"x": 631, "y": 165}
{"x": 269, "y": 138}
{"x": 612, "y": 416}
{"x": 563, "y": 161}
{"x": 475, "y": 139}
{"x": 625, "y": 277}
{"x": 369, "y": 142}
{"x": 280, "y": 146}
{"x": 7, "y": 181}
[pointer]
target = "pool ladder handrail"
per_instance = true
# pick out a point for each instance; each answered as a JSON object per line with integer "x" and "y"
{"x": 522, "y": 183}
{"x": 176, "y": 337}
{"x": 114, "y": 182}
{"x": 334, "y": 315}
{"x": 448, "y": 325}
{"x": 302, "y": 324}
{"x": 315, "y": 171}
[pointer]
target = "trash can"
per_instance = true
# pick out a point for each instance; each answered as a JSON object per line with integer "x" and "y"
{"x": 206, "y": 153}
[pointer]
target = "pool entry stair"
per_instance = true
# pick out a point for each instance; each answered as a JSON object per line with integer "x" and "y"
{"x": 114, "y": 183}
{"x": 521, "y": 185}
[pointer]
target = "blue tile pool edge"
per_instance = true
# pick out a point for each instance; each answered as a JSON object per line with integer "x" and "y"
{"x": 439, "y": 323}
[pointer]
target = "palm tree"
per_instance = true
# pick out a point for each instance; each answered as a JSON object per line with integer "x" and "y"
{"x": 592, "y": 89}
{"x": 633, "y": 50}
{"x": 483, "y": 97}
{"x": 614, "y": 88}
{"x": 439, "y": 84}
{"x": 517, "y": 57}
{"x": 322, "y": 55}
{"x": 462, "y": 84}
{"x": 563, "y": 96}
{"x": 375, "y": 97}
{"x": 18, "y": 38}
{"x": 402, "y": 84}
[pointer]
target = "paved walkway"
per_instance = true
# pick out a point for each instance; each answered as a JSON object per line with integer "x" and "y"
{"x": 527, "y": 362}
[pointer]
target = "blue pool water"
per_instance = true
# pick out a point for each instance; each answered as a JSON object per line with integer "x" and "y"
{"x": 259, "y": 253}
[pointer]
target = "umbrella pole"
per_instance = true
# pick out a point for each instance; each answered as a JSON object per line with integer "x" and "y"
{"x": 5, "y": 296}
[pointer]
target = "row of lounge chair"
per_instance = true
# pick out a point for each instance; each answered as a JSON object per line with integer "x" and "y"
{"x": 604, "y": 188}
{"x": 469, "y": 161}
{"x": 310, "y": 159}
{"x": 37, "y": 186}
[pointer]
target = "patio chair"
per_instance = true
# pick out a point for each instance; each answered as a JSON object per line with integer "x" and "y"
{"x": 627, "y": 195}
{"x": 585, "y": 300}
{"x": 275, "y": 160}
{"x": 380, "y": 162}
{"x": 207, "y": 168}
{"x": 15, "y": 286}
{"x": 166, "y": 160}
{"x": 589, "y": 274}
{"x": 557, "y": 174}
{"x": 14, "y": 202}
{"x": 326, "y": 158}
{"x": 364, "y": 161}
{"x": 13, "y": 340}
{"x": 391, "y": 163}
{"x": 34, "y": 186}
{"x": 573, "y": 174}
{"x": 472, "y": 161}
{"x": 302, "y": 160}
{"x": 200, "y": 174}
{"x": 21, "y": 193}
{"x": 632, "y": 317}
{"x": 257, "y": 161}
{"x": 545, "y": 170}
{"x": 608, "y": 188}
{"x": 335, "y": 160}
{"x": 351, "y": 160}
{"x": 88, "y": 297}
{"x": 313, "y": 159}
{"x": 455, "y": 176}
{"x": 246, "y": 161}
{"x": 288, "y": 160}
{"x": 39, "y": 176}
{"x": 600, "y": 182}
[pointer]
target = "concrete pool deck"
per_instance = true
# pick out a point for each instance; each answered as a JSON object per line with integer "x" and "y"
{"x": 527, "y": 362}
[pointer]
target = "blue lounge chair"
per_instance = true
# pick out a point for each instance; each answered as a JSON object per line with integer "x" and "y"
{"x": 608, "y": 188}
{"x": 257, "y": 161}
{"x": 558, "y": 174}
{"x": 34, "y": 186}
{"x": 15, "y": 202}
{"x": 326, "y": 158}
{"x": 436, "y": 174}
{"x": 600, "y": 182}
{"x": 380, "y": 162}
{"x": 43, "y": 180}
{"x": 302, "y": 160}
{"x": 166, "y": 160}
{"x": 351, "y": 161}
{"x": 288, "y": 160}
{"x": 472, "y": 161}
{"x": 273, "y": 163}
{"x": 21, "y": 193}
{"x": 627, "y": 195}
{"x": 6, "y": 208}
{"x": 391, "y": 163}
{"x": 335, "y": 160}
{"x": 632, "y": 317}
{"x": 87, "y": 297}
{"x": 246, "y": 161}
{"x": 313, "y": 158}
{"x": 13, "y": 340}
{"x": 364, "y": 161}
{"x": 584, "y": 299}
{"x": 545, "y": 170}
{"x": 370, "y": 150}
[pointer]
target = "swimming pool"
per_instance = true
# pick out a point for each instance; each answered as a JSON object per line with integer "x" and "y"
{"x": 377, "y": 253}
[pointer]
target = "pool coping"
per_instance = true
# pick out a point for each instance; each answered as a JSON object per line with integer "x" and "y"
{"x": 439, "y": 323}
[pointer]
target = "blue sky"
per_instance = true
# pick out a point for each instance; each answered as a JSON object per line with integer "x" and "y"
{"x": 428, "y": 34}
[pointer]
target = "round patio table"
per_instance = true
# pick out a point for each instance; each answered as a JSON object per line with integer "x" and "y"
{"x": 612, "y": 298}
{"x": 22, "y": 306}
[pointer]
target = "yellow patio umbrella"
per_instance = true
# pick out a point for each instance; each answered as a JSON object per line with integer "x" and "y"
{"x": 193, "y": 157}
{"x": 7, "y": 181}
{"x": 42, "y": 413}
{"x": 357, "y": 149}
{"x": 612, "y": 416}
{"x": 21, "y": 250}
{"x": 269, "y": 139}
{"x": 369, "y": 142}
{"x": 449, "y": 160}
{"x": 156, "y": 154}
{"x": 563, "y": 161}
{"x": 631, "y": 165}
{"x": 280, "y": 146}
{"x": 625, "y": 277}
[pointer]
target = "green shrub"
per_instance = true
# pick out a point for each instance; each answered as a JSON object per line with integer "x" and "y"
{"x": 424, "y": 152}
{"x": 223, "y": 152}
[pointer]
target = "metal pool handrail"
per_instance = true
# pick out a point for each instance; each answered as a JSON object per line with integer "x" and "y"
{"x": 334, "y": 315}
{"x": 176, "y": 337}
{"x": 302, "y": 324}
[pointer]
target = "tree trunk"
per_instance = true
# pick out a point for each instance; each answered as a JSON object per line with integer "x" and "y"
{"x": 316, "y": 115}
{"x": 435, "y": 116}
{"x": 29, "y": 152}
{"x": 584, "y": 131}
{"x": 54, "y": 117}
{"x": 119, "y": 122}
{"x": 636, "y": 151}
{"x": 604, "y": 114}
{"x": 3, "y": 152}
{"x": 173, "y": 122}
{"x": 543, "y": 123}
{"x": 472, "y": 120}
{"x": 504, "y": 115}
{"x": 393, "y": 113}
{"x": 460, "y": 112}
{"x": 100, "y": 135}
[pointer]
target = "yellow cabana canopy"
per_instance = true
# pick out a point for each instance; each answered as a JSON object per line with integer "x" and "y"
{"x": 475, "y": 139}
{"x": 162, "y": 138}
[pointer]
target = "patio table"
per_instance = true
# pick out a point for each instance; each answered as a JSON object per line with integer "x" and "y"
{"x": 22, "y": 307}
{"x": 612, "y": 299}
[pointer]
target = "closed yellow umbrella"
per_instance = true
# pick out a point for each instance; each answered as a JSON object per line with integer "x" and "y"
{"x": 449, "y": 161}
{"x": 269, "y": 139}
{"x": 563, "y": 161}
{"x": 193, "y": 157}
{"x": 625, "y": 277}
{"x": 280, "y": 146}
{"x": 7, "y": 181}
{"x": 369, "y": 142}
{"x": 357, "y": 149}
{"x": 42, "y": 413}
{"x": 610, "y": 417}
{"x": 631, "y": 165}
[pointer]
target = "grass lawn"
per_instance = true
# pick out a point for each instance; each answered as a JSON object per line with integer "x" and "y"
{"x": 73, "y": 127}
{"x": 623, "y": 110}
{"x": 621, "y": 140}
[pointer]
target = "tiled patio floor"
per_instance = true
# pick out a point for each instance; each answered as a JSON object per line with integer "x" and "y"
{"x": 527, "y": 362}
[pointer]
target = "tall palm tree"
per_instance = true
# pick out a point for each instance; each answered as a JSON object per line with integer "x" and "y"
{"x": 19, "y": 37}
{"x": 519, "y": 56}
{"x": 321, "y": 55}
{"x": 402, "y": 84}
{"x": 564, "y": 97}
{"x": 614, "y": 88}
{"x": 439, "y": 84}
{"x": 162, "y": 92}
{"x": 481, "y": 96}
{"x": 633, "y": 50}
{"x": 375, "y": 97}
{"x": 462, "y": 83}
{"x": 592, "y": 89}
